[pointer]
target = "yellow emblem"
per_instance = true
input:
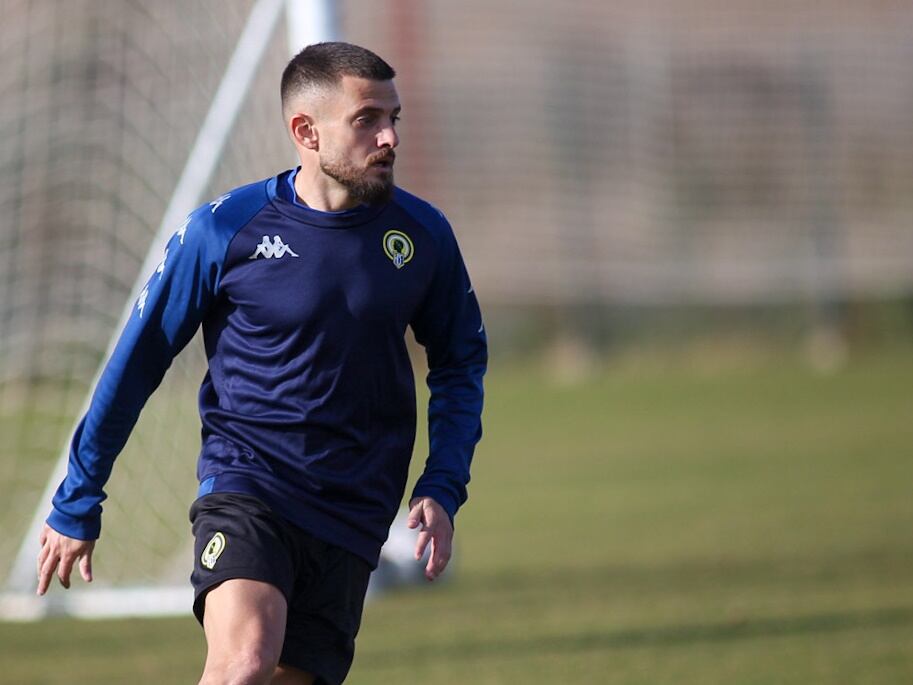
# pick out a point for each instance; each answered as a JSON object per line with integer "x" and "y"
{"x": 213, "y": 550}
{"x": 398, "y": 247}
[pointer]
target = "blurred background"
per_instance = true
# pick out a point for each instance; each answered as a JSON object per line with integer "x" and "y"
{"x": 689, "y": 226}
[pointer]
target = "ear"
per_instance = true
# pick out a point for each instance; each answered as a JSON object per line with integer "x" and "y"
{"x": 304, "y": 133}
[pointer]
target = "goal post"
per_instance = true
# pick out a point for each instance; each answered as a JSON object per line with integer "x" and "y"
{"x": 168, "y": 423}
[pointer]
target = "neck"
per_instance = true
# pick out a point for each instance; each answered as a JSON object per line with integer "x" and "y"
{"x": 318, "y": 191}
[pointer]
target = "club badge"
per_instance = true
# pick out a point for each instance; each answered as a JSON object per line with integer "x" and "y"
{"x": 398, "y": 247}
{"x": 213, "y": 550}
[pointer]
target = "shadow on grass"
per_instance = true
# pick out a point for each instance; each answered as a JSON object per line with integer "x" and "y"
{"x": 659, "y": 636}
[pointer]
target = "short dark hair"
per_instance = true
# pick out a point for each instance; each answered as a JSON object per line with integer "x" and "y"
{"x": 324, "y": 64}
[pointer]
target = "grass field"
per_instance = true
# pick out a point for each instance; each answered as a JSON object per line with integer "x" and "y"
{"x": 659, "y": 524}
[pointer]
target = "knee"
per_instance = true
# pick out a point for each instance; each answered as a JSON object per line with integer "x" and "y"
{"x": 246, "y": 667}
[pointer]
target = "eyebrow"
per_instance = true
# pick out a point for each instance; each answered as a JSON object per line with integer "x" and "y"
{"x": 369, "y": 109}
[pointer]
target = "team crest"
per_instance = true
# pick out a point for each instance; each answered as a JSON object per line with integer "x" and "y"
{"x": 213, "y": 551}
{"x": 398, "y": 247}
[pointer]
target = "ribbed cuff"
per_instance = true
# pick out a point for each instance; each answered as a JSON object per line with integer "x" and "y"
{"x": 87, "y": 528}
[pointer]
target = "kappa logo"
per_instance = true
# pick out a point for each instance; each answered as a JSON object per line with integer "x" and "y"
{"x": 213, "y": 551}
{"x": 218, "y": 202}
{"x": 144, "y": 295}
{"x": 271, "y": 250}
{"x": 182, "y": 229}
{"x": 398, "y": 247}
{"x": 160, "y": 269}
{"x": 141, "y": 301}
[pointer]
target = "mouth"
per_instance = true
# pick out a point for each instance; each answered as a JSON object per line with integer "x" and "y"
{"x": 384, "y": 162}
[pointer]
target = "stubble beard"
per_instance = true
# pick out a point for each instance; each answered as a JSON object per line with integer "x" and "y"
{"x": 363, "y": 189}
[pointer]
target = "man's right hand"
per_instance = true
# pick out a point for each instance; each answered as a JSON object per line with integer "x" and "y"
{"x": 58, "y": 552}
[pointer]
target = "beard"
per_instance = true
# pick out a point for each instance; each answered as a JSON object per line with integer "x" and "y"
{"x": 362, "y": 188}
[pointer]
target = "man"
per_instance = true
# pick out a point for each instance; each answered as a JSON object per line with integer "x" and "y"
{"x": 304, "y": 285}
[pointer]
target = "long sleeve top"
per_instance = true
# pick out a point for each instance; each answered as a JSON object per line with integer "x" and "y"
{"x": 309, "y": 399}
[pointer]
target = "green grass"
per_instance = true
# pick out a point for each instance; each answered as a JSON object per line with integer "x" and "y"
{"x": 645, "y": 526}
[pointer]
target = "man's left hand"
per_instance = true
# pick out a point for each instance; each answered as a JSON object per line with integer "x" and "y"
{"x": 436, "y": 529}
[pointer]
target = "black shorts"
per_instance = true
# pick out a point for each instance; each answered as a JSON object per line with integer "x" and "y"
{"x": 238, "y": 536}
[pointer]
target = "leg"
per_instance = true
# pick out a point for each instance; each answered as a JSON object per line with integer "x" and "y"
{"x": 324, "y": 613}
{"x": 245, "y": 627}
{"x": 286, "y": 675}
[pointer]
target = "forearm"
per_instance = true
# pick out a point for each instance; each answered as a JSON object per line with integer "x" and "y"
{"x": 454, "y": 428}
{"x": 163, "y": 320}
{"x": 128, "y": 380}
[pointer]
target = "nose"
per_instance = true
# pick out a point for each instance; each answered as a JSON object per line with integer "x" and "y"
{"x": 387, "y": 137}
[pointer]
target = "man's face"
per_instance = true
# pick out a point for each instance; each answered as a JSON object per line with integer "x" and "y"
{"x": 357, "y": 127}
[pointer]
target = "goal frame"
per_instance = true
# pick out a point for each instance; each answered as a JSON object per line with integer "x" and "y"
{"x": 307, "y": 21}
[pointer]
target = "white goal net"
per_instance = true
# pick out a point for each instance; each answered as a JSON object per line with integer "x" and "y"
{"x": 589, "y": 155}
{"x": 126, "y": 125}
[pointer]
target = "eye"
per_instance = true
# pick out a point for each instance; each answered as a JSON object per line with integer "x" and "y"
{"x": 394, "y": 119}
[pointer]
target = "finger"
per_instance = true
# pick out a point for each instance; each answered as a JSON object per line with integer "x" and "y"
{"x": 85, "y": 566}
{"x": 429, "y": 567}
{"x": 440, "y": 556}
{"x": 45, "y": 573}
{"x": 43, "y": 536}
{"x": 64, "y": 570}
{"x": 421, "y": 543}
{"x": 43, "y": 555}
{"x": 415, "y": 515}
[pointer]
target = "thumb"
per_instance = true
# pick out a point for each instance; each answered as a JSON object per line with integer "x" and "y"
{"x": 415, "y": 514}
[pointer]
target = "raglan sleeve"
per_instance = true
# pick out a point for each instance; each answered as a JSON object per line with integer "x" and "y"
{"x": 164, "y": 319}
{"x": 449, "y": 326}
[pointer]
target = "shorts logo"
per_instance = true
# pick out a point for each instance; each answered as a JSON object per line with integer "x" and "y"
{"x": 213, "y": 550}
{"x": 399, "y": 247}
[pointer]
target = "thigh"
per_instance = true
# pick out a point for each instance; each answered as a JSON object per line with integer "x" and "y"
{"x": 324, "y": 612}
{"x": 244, "y": 570}
{"x": 238, "y": 537}
{"x": 244, "y": 618}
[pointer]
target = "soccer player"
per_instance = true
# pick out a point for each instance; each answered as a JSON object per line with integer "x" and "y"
{"x": 304, "y": 285}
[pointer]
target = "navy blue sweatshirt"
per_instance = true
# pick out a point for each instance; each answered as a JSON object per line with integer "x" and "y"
{"x": 309, "y": 401}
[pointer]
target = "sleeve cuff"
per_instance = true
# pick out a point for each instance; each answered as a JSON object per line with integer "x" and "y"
{"x": 88, "y": 528}
{"x": 440, "y": 495}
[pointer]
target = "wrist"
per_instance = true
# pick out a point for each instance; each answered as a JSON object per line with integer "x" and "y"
{"x": 439, "y": 495}
{"x": 78, "y": 528}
